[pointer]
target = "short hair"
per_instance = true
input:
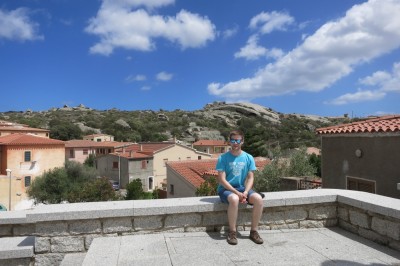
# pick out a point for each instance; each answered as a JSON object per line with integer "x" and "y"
{"x": 236, "y": 132}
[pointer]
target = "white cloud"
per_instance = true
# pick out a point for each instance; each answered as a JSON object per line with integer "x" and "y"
{"x": 384, "y": 81}
{"x": 269, "y": 22}
{"x": 137, "y": 3}
{"x": 367, "y": 31}
{"x": 376, "y": 78}
{"x": 16, "y": 25}
{"x": 226, "y": 34}
{"x": 133, "y": 78}
{"x": 252, "y": 50}
{"x": 360, "y": 96}
{"x": 119, "y": 25}
{"x": 145, "y": 88}
{"x": 164, "y": 76}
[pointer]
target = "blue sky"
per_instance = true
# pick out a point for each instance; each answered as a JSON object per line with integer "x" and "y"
{"x": 311, "y": 57}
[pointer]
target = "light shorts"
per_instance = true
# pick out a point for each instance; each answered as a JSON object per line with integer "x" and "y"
{"x": 223, "y": 194}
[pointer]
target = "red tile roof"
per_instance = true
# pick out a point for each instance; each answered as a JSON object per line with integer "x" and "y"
{"x": 206, "y": 142}
{"x": 21, "y": 128}
{"x": 390, "y": 123}
{"x": 150, "y": 147}
{"x": 133, "y": 155}
{"x": 195, "y": 170}
{"x": 80, "y": 143}
{"x": 28, "y": 139}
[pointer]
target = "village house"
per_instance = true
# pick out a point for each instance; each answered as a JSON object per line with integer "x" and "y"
{"x": 99, "y": 137}
{"x": 185, "y": 177}
{"x": 163, "y": 152}
{"x": 26, "y": 156}
{"x": 78, "y": 150}
{"x": 7, "y": 128}
{"x": 362, "y": 156}
{"x": 125, "y": 167}
{"x": 215, "y": 147}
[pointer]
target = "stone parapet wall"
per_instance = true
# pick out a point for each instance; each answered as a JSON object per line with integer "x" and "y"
{"x": 70, "y": 228}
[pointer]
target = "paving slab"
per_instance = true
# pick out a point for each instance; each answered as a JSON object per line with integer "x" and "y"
{"x": 308, "y": 247}
{"x": 16, "y": 247}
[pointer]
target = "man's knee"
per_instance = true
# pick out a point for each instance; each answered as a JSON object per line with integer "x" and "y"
{"x": 233, "y": 199}
{"x": 256, "y": 199}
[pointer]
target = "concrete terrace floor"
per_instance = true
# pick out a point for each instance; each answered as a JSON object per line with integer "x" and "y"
{"x": 320, "y": 246}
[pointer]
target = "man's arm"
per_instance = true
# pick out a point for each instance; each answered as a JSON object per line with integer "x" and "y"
{"x": 222, "y": 180}
{"x": 249, "y": 183}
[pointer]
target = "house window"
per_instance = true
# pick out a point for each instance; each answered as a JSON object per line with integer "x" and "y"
{"x": 85, "y": 151}
{"x": 198, "y": 157}
{"x": 150, "y": 183}
{"x": 171, "y": 189}
{"x": 165, "y": 161}
{"x": 71, "y": 154}
{"x": 27, "y": 156}
{"x": 360, "y": 184}
{"x": 144, "y": 164}
{"x": 27, "y": 181}
{"x": 115, "y": 165}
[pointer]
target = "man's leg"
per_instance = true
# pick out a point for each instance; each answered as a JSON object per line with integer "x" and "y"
{"x": 257, "y": 202}
{"x": 233, "y": 208}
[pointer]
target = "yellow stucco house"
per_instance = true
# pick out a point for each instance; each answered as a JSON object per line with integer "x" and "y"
{"x": 8, "y": 128}
{"x": 27, "y": 156}
{"x": 162, "y": 153}
{"x": 99, "y": 137}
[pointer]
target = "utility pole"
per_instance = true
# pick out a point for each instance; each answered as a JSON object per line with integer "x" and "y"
{"x": 9, "y": 194}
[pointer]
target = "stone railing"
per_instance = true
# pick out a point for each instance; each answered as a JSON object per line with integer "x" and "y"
{"x": 70, "y": 228}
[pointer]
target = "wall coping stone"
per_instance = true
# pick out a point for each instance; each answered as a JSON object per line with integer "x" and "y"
{"x": 134, "y": 208}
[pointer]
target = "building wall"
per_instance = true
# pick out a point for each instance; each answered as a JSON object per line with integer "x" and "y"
{"x": 130, "y": 169}
{"x": 137, "y": 171}
{"x": 17, "y": 191}
{"x": 79, "y": 155}
{"x": 99, "y": 138}
{"x": 176, "y": 153}
{"x": 181, "y": 187}
{"x": 43, "y": 158}
{"x": 212, "y": 149}
{"x": 379, "y": 161}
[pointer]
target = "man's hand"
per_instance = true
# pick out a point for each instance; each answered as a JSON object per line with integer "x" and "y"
{"x": 243, "y": 198}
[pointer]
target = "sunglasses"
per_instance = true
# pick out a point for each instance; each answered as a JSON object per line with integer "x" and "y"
{"x": 237, "y": 141}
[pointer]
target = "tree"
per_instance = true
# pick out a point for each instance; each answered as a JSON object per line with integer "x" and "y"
{"x": 51, "y": 187}
{"x": 297, "y": 164}
{"x": 134, "y": 190}
{"x": 65, "y": 131}
{"x": 90, "y": 160}
{"x": 315, "y": 160}
{"x": 74, "y": 182}
{"x": 208, "y": 187}
{"x": 98, "y": 189}
{"x": 269, "y": 179}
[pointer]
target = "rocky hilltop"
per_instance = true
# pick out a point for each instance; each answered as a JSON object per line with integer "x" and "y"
{"x": 214, "y": 121}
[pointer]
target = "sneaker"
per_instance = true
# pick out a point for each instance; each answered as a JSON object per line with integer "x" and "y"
{"x": 232, "y": 238}
{"x": 256, "y": 237}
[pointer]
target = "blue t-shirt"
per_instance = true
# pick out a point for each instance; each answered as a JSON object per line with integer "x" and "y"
{"x": 235, "y": 167}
